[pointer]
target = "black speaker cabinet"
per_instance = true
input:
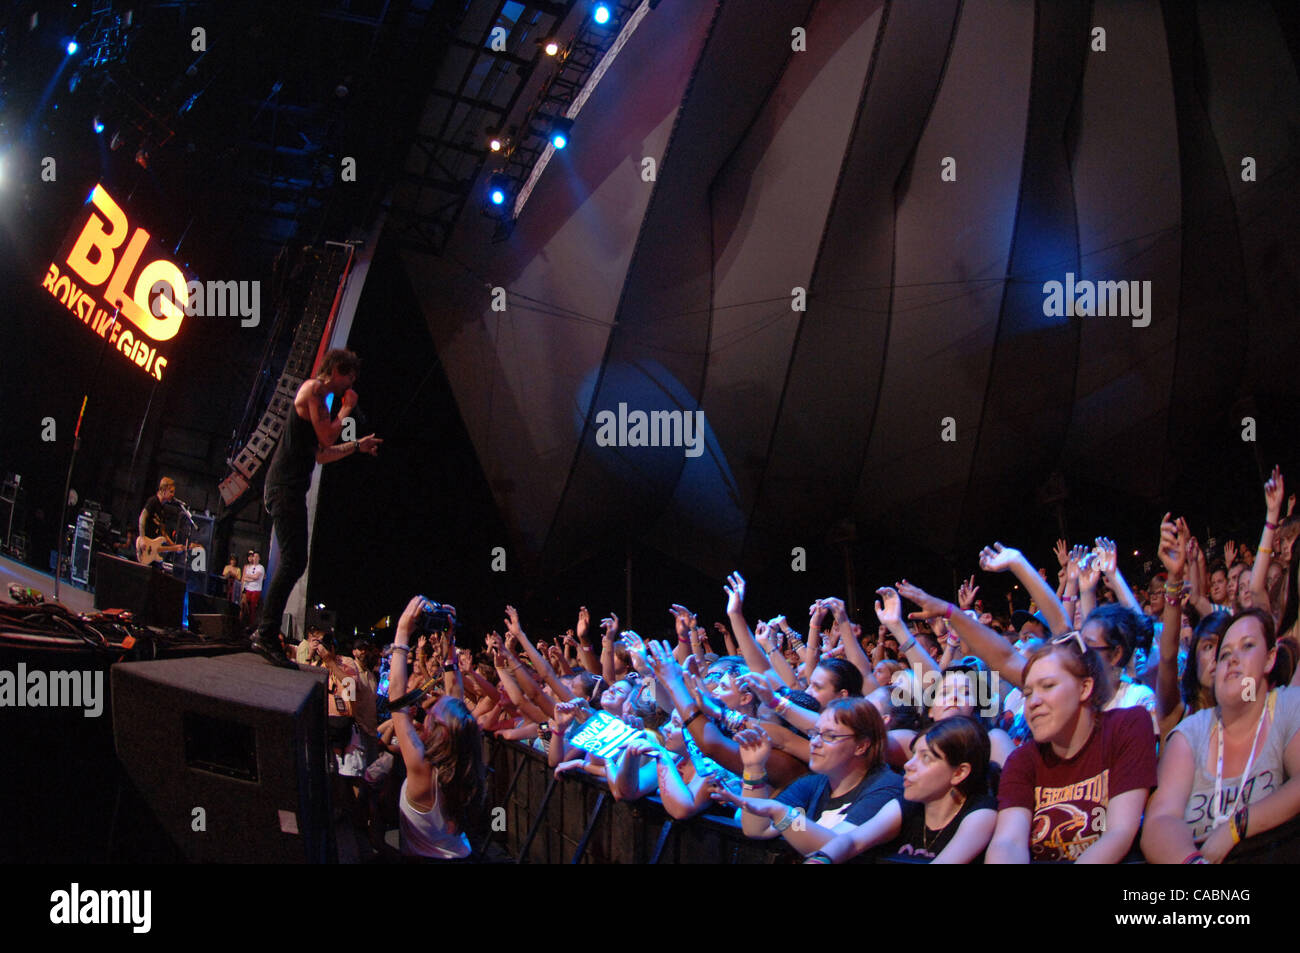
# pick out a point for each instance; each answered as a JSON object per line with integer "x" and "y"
{"x": 151, "y": 595}
{"x": 230, "y": 755}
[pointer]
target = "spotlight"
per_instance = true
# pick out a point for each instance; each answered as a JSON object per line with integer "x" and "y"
{"x": 495, "y": 142}
{"x": 98, "y": 126}
{"x": 560, "y": 130}
{"x": 551, "y": 46}
{"x": 498, "y": 189}
{"x": 115, "y": 143}
{"x": 601, "y": 14}
{"x": 72, "y": 47}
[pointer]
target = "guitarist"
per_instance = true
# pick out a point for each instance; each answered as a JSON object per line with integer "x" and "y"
{"x": 153, "y": 521}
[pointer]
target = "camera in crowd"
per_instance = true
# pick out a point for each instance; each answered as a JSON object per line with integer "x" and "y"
{"x": 434, "y": 617}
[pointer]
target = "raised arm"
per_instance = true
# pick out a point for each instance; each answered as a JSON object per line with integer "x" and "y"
{"x": 587, "y": 657}
{"x": 1274, "y": 494}
{"x": 753, "y": 655}
{"x": 1115, "y": 581}
{"x": 852, "y": 647}
{"x": 1173, "y": 555}
{"x": 999, "y": 558}
{"x": 540, "y": 662}
{"x": 889, "y": 610}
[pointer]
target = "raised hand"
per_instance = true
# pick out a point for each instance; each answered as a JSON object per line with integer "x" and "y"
{"x": 1229, "y": 553}
{"x": 683, "y": 619}
{"x": 759, "y": 687}
{"x": 763, "y": 636}
{"x": 637, "y": 650}
{"x": 997, "y": 558}
{"x": 1072, "y": 566}
{"x": 889, "y": 608}
{"x": 609, "y": 628}
{"x": 966, "y": 593}
{"x": 1274, "y": 494}
{"x": 1173, "y": 549}
{"x": 512, "y": 623}
{"x": 584, "y": 622}
{"x": 930, "y": 605}
{"x": 662, "y": 663}
{"x": 1106, "y": 556}
{"x": 755, "y": 748}
{"x": 735, "y": 590}
{"x": 1062, "y": 550}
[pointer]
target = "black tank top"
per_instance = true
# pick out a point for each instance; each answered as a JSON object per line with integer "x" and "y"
{"x": 295, "y": 456}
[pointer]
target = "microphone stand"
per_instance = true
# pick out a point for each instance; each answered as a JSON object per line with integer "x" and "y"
{"x": 76, "y": 445}
{"x": 185, "y": 558}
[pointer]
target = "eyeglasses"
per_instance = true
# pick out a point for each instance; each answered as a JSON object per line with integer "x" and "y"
{"x": 825, "y": 737}
{"x": 1077, "y": 637}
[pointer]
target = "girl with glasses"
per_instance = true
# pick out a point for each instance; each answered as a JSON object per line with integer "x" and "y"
{"x": 947, "y": 814}
{"x": 850, "y": 783}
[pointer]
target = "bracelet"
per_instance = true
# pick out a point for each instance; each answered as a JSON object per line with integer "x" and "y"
{"x": 403, "y": 648}
{"x": 1265, "y": 550}
{"x": 1069, "y": 598}
{"x": 763, "y": 782}
{"x": 908, "y": 645}
{"x": 791, "y": 816}
{"x": 1238, "y": 825}
{"x": 781, "y": 705}
{"x": 687, "y": 723}
{"x": 821, "y": 857}
{"x": 1194, "y": 858}
{"x": 947, "y": 613}
{"x": 1269, "y": 525}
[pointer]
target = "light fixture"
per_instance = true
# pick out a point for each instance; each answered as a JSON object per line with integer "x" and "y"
{"x": 98, "y": 126}
{"x": 601, "y": 14}
{"x": 560, "y": 132}
{"x": 551, "y": 46}
{"x": 72, "y": 47}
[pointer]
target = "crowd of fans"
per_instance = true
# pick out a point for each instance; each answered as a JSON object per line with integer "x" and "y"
{"x": 1104, "y": 724}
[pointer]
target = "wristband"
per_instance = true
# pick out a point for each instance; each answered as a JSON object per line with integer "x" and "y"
{"x": 1069, "y": 598}
{"x": 907, "y": 646}
{"x": 791, "y": 816}
{"x": 1269, "y": 525}
{"x": 1265, "y": 550}
{"x": 821, "y": 857}
{"x": 781, "y": 705}
{"x": 762, "y": 782}
{"x": 687, "y": 723}
{"x": 402, "y": 648}
{"x": 1194, "y": 858}
{"x": 947, "y": 613}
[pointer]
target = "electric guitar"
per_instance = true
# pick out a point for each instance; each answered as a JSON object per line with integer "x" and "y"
{"x": 149, "y": 551}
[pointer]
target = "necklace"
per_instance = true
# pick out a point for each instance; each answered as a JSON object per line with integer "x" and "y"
{"x": 926, "y": 840}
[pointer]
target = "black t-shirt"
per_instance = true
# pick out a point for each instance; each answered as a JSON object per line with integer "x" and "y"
{"x": 812, "y": 792}
{"x": 916, "y": 840}
{"x": 155, "y": 518}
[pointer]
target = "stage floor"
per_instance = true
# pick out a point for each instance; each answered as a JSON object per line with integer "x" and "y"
{"x": 72, "y": 598}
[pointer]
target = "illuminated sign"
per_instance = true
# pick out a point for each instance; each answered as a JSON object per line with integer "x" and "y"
{"x": 99, "y": 267}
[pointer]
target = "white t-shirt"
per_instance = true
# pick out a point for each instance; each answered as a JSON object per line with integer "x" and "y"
{"x": 253, "y": 576}
{"x": 1133, "y": 695}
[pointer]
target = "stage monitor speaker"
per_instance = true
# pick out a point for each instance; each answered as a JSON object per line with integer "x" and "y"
{"x": 216, "y": 626}
{"x": 152, "y": 596}
{"x": 230, "y": 753}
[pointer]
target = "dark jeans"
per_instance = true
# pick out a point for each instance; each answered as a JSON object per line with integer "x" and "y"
{"x": 288, "y": 509}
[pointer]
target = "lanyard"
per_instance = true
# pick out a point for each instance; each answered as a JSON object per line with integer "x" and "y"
{"x": 1245, "y": 775}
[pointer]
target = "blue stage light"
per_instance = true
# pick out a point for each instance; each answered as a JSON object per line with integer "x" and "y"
{"x": 601, "y": 14}
{"x": 498, "y": 196}
{"x": 72, "y": 47}
{"x": 98, "y": 125}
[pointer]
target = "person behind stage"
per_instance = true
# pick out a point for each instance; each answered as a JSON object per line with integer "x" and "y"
{"x": 232, "y": 575}
{"x": 309, "y": 439}
{"x": 254, "y": 573}
{"x": 153, "y": 519}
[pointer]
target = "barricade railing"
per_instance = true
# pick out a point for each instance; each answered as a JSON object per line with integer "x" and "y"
{"x": 575, "y": 819}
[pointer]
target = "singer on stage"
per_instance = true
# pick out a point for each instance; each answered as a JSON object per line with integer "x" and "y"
{"x": 309, "y": 439}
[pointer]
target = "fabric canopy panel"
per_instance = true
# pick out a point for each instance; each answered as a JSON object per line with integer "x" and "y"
{"x": 921, "y": 172}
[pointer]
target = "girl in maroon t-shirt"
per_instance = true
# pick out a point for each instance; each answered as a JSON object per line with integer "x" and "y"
{"x": 1077, "y": 792}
